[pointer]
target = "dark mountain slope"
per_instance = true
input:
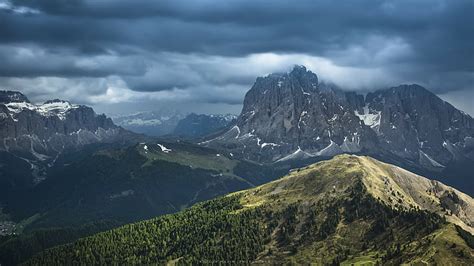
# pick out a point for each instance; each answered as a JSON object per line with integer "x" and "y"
{"x": 133, "y": 183}
{"x": 110, "y": 185}
{"x": 200, "y": 125}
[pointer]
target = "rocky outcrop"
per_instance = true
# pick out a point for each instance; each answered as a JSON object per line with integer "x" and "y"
{"x": 294, "y": 116}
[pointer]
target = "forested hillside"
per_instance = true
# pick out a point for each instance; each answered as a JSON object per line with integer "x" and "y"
{"x": 326, "y": 213}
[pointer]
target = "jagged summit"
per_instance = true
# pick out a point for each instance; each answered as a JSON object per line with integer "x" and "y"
{"x": 16, "y": 102}
{"x": 296, "y": 70}
{"x": 56, "y": 101}
{"x": 295, "y": 114}
{"x": 52, "y": 108}
{"x": 299, "y": 76}
{"x": 8, "y": 96}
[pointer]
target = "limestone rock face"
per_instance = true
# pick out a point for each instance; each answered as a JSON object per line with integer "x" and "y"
{"x": 418, "y": 125}
{"x": 39, "y": 132}
{"x": 294, "y": 116}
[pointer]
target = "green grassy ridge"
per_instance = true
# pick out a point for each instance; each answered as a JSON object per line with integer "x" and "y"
{"x": 208, "y": 159}
{"x": 324, "y": 214}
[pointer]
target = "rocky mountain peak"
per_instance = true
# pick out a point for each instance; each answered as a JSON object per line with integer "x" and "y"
{"x": 56, "y": 101}
{"x": 7, "y": 96}
{"x": 294, "y": 116}
{"x": 281, "y": 88}
{"x": 303, "y": 75}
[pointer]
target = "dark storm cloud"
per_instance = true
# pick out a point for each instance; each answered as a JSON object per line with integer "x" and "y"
{"x": 243, "y": 27}
{"x": 31, "y": 61}
{"x": 164, "y": 45}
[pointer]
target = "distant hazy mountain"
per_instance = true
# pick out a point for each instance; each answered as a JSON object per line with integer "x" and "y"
{"x": 174, "y": 124}
{"x": 347, "y": 210}
{"x": 200, "y": 125}
{"x": 293, "y": 116}
{"x": 150, "y": 123}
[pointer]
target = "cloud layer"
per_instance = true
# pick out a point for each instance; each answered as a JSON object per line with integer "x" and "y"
{"x": 210, "y": 52}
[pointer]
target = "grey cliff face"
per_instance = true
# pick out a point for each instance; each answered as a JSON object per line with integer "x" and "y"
{"x": 40, "y": 132}
{"x": 294, "y": 116}
{"x": 418, "y": 125}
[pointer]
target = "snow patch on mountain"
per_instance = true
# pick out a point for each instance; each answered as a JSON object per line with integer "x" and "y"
{"x": 370, "y": 119}
{"x": 263, "y": 145}
{"x": 297, "y": 155}
{"x": 426, "y": 158}
{"x": 350, "y": 146}
{"x": 235, "y": 128}
{"x": 163, "y": 148}
{"x": 331, "y": 150}
{"x": 51, "y": 108}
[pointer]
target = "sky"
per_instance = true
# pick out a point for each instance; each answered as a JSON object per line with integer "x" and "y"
{"x": 204, "y": 55}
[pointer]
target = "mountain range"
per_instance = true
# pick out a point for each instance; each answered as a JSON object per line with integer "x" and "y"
{"x": 34, "y": 136}
{"x": 68, "y": 172}
{"x": 63, "y": 164}
{"x": 45, "y": 130}
{"x": 294, "y": 116}
{"x": 153, "y": 123}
